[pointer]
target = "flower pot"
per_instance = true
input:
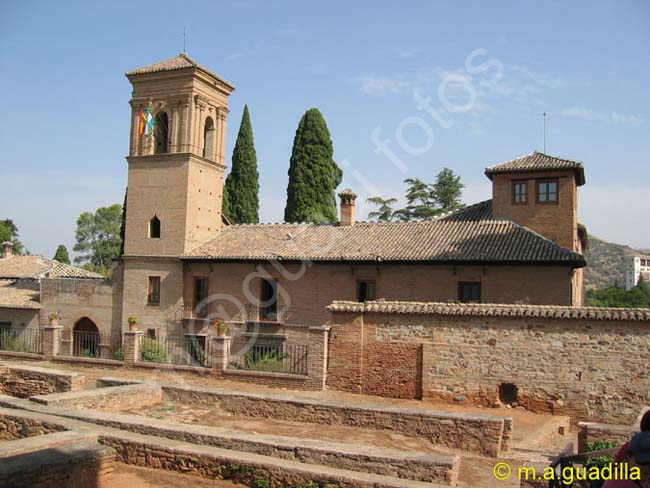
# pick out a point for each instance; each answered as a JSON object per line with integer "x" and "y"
{"x": 54, "y": 322}
{"x": 134, "y": 327}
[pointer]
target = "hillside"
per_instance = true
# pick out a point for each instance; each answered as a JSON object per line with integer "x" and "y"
{"x": 606, "y": 263}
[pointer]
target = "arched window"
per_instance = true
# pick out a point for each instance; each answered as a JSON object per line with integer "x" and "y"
{"x": 209, "y": 134}
{"x": 154, "y": 228}
{"x": 161, "y": 131}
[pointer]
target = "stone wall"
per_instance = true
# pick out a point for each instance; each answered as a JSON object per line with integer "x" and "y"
{"x": 591, "y": 432}
{"x": 25, "y": 381}
{"x": 21, "y": 427}
{"x": 485, "y": 434}
{"x": 86, "y": 464}
{"x": 19, "y": 318}
{"x": 583, "y": 363}
{"x": 108, "y": 399}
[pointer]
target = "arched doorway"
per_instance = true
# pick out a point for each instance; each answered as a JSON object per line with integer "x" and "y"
{"x": 85, "y": 338}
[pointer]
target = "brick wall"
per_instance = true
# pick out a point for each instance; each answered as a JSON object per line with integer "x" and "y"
{"x": 588, "y": 369}
{"x": 305, "y": 300}
{"x": 23, "y": 382}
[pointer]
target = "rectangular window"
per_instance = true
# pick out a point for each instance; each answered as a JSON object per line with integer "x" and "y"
{"x": 268, "y": 299}
{"x": 519, "y": 192}
{"x": 547, "y": 191}
{"x": 200, "y": 296}
{"x": 151, "y": 333}
{"x": 153, "y": 290}
{"x": 469, "y": 291}
{"x": 365, "y": 291}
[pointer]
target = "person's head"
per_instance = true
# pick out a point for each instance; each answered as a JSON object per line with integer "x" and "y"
{"x": 639, "y": 452}
{"x": 645, "y": 422}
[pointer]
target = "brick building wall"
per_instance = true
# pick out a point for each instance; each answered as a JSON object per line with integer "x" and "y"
{"x": 591, "y": 369}
{"x": 76, "y": 298}
{"x": 236, "y": 285}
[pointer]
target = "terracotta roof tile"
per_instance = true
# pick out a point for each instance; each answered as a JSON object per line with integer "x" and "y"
{"x": 182, "y": 61}
{"x": 19, "y": 294}
{"x": 492, "y": 310}
{"x": 468, "y": 235}
{"x": 539, "y": 161}
{"x": 35, "y": 267}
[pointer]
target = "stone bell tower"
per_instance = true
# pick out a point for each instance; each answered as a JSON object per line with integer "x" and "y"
{"x": 175, "y": 184}
{"x": 176, "y": 157}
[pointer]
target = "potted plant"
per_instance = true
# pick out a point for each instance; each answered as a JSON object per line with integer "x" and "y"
{"x": 133, "y": 324}
{"x": 54, "y": 318}
{"x": 220, "y": 327}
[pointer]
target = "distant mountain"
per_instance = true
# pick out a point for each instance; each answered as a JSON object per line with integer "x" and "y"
{"x": 606, "y": 263}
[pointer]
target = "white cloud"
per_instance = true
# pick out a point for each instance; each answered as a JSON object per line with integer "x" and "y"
{"x": 590, "y": 114}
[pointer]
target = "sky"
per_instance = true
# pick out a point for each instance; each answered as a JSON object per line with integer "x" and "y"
{"x": 406, "y": 89}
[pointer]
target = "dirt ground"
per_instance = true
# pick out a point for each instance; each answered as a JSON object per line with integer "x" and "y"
{"x": 129, "y": 476}
{"x": 535, "y": 436}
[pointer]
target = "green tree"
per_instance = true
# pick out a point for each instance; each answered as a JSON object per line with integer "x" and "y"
{"x": 385, "y": 211}
{"x": 123, "y": 223}
{"x": 61, "y": 255}
{"x": 98, "y": 238}
{"x": 447, "y": 190}
{"x": 226, "y": 211}
{"x": 426, "y": 200}
{"x": 242, "y": 184}
{"x": 313, "y": 174}
{"x": 9, "y": 232}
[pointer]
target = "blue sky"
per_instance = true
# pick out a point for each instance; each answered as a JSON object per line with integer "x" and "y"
{"x": 489, "y": 70}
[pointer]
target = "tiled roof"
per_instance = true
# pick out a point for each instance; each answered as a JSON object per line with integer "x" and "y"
{"x": 493, "y": 310}
{"x": 468, "y": 235}
{"x": 182, "y": 61}
{"x": 19, "y": 294}
{"x": 35, "y": 267}
{"x": 539, "y": 161}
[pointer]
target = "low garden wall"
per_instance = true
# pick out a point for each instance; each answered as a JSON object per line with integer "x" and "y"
{"x": 580, "y": 362}
{"x": 485, "y": 434}
{"x": 25, "y": 381}
{"x": 108, "y": 399}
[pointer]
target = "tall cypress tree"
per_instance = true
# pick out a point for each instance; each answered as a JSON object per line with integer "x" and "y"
{"x": 242, "y": 184}
{"x": 61, "y": 255}
{"x": 313, "y": 174}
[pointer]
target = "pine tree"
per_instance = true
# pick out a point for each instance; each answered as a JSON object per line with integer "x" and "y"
{"x": 447, "y": 190}
{"x": 61, "y": 255}
{"x": 241, "y": 201}
{"x": 313, "y": 174}
{"x": 385, "y": 211}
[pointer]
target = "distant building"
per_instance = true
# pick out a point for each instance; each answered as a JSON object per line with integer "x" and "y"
{"x": 635, "y": 266}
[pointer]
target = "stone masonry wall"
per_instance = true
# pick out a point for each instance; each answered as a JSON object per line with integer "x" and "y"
{"x": 588, "y": 369}
{"x": 19, "y": 427}
{"x": 484, "y": 434}
{"x": 23, "y": 382}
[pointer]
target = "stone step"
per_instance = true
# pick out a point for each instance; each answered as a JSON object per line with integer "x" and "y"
{"x": 213, "y": 462}
{"x": 31, "y": 444}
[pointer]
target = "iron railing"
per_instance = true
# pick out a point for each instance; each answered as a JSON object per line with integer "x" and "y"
{"x": 274, "y": 358}
{"x": 187, "y": 350}
{"x": 29, "y": 339}
{"x": 90, "y": 344}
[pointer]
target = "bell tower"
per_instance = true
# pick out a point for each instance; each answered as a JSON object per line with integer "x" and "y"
{"x": 176, "y": 157}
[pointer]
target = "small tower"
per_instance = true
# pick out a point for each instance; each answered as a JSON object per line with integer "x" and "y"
{"x": 540, "y": 192}
{"x": 176, "y": 157}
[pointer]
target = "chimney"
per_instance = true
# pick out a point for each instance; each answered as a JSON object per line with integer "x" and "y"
{"x": 347, "y": 197}
{"x": 7, "y": 249}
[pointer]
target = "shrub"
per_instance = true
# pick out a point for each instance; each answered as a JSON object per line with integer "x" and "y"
{"x": 9, "y": 342}
{"x": 152, "y": 351}
{"x": 270, "y": 361}
{"x": 119, "y": 354}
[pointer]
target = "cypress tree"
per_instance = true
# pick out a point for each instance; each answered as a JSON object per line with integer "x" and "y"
{"x": 123, "y": 223}
{"x": 61, "y": 255}
{"x": 242, "y": 184}
{"x": 226, "y": 211}
{"x": 313, "y": 174}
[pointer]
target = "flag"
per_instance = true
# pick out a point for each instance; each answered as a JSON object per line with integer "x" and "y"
{"x": 150, "y": 122}
{"x": 142, "y": 121}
